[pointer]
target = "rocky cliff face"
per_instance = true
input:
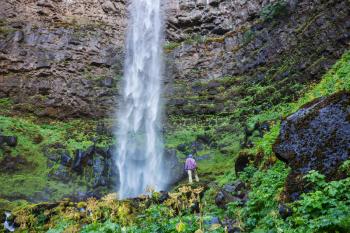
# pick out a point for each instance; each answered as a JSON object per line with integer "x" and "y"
{"x": 210, "y": 17}
{"x": 61, "y": 58}
{"x": 224, "y": 48}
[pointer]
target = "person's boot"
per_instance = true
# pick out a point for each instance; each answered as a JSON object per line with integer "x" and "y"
{"x": 197, "y": 178}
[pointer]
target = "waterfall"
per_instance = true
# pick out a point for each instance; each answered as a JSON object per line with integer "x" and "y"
{"x": 7, "y": 225}
{"x": 140, "y": 149}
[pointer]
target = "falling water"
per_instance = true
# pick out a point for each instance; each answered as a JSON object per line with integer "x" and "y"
{"x": 7, "y": 225}
{"x": 139, "y": 156}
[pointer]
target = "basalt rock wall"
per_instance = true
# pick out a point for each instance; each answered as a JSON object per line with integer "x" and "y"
{"x": 61, "y": 58}
{"x": 222, "y": 50}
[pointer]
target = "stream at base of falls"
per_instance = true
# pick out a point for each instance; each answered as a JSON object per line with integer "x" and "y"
{"x": 7, "y": 225}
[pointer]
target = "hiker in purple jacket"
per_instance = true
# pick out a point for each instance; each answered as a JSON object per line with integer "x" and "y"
{"x": 191, "y": 167}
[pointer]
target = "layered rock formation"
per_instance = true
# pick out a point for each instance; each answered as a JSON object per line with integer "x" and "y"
{"x": 61, "y": 58}
{"x": 281, "y": 45}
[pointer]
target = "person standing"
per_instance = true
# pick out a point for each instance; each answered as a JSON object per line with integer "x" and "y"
{"x": 191, "y": 168}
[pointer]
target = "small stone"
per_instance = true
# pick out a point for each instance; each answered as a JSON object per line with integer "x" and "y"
{"x": 11, "y": 141}
{"x": 66, "y": 159}
{"x": 109, "y": 7}
{"x": 284, "y": 210}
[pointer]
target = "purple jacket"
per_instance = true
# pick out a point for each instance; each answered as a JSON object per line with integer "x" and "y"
{"x": 190, "y": 164}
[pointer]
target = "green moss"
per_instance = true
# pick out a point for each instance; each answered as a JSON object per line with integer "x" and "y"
{"x": 5, "y": 105}
{"x": 170, "y": 46}
{"x": 248, "y": 36}
{"x": 5, "y": 31}
{"x": 75, "y": 134}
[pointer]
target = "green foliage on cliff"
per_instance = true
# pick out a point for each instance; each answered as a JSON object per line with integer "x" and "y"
{"x": 326, "y": 208}
{"x": 33, "y": 139}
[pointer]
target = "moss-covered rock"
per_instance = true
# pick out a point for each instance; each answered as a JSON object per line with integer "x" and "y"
{"x": 317, "y": 137}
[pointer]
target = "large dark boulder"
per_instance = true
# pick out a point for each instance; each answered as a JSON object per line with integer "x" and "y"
{"x": 8, "y": 140}
{"x": 173, "y": 167}
{"x": 66, "y": 159}
{"x": 242, "y": 161}
{"x": 11, "y": 141}
{"x": 317, "y": 137}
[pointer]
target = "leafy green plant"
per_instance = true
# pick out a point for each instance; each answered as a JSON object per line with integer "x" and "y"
{"x": 263, "y": 199}
{"x": 106, "y": 227}
{"x": 325, "y": 209}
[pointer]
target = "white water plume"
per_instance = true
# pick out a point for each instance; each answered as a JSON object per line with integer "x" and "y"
{"x": 140, "y": 149}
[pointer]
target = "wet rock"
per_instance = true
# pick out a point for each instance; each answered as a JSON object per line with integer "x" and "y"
{"x": 231, "y": 226}
{"x": 54, "y": 157}
{"x": 107, "y": 82}
{"x": 235, "y": 187}
{"x": 317, "y": 137}
{"x": 284, "y": 210}
{"x": 9, "y": 223}
{"x": 182, "y": 147}
{"x": 196, "y": 146}
{"x": 10, "y": 141}
{"x": 232, "y": 192}
{"x": 78, "y": 159}
{"x": 173, "y": 166}
{"x": 163, "y": 196}
{"x": 229, "y": 188}
{"x": 50, "y": 53}
{"x": 108, "y": 7}
{"x": 212, "y": 221}
{"x": 89, "y": 153}
{"x": 205, "y": 63}
{"x": 222, "y": 198}
{"x": 60, "y": 174}
{"x": 111, "y": 152}
{"x": 242, "y": 162}
{"x": 66, "y": 159}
